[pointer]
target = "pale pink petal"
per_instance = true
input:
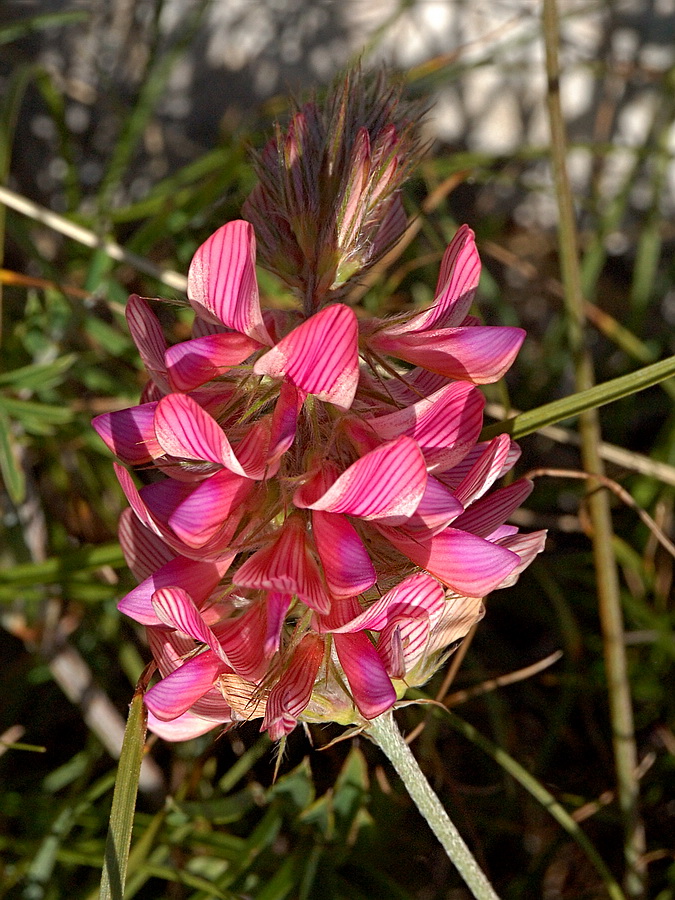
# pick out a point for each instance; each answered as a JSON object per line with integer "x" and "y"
{"x": 186, "y": 431}
{"x": 527, "y": 546}
{"x": 148, "y": 336}
{"x": 319, "y": 357}
{"x": 176, "y": 609}
{"x": 480, "y": 354}
{"x": 199, "y": 516}
{"x": 346, "y": 564}
{"x": 419, "y": 596}
{"x": 464, "y": 562}
{"x": 485, "y": 515}
{"x": 185, "y": 727}
{"x": 402, "y": 642}
{"x": 222, "y": 285}
{"x": 143, "y": 550}
{"x": 286, "y": 565}
{"x": 291, "y": 694}
{"x": 175, "y": 694}
{"x": 130, "y": 433}
{"x": 192, "y": 363}
{"x": 386, "y": 482}
{"x": 371, "y": 688}
{"x": 459, "y": 616}
{"x": 197, "y": 578}
{"x": 448, "y": 420}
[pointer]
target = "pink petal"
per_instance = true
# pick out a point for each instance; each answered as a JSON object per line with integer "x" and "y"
{"x": 176, "y": 609}
{"x": 484, "y": 472}
{"x": 371, "y": 687}
{"x": 402, "y": 643}
{"x": 527, "y": 546}
{"x": 284, "y": 422}
{"x": 149, "y": 338}
{"x": 184, "y": 430}
{"x": 244, "y": 640}
{"x": 135, "y": 502}
{"x": 169, "y": 648}
{"x": 346, "y": 564}
{"x": 185, "y": 727}
{"x": 277, "y": 607}
{"x": 480, "y": 354}
{"x": 454, "y": 476}
{"x": 386, "y": 482}
{"x": 175, "y": 694}
{"x": 130, "y": 433}
{"x": 222, "y": 285}
{"x": 488, "y": 513}
{"x": 197, "y": 578}
{"x": 291, "y": 694}
{"x": 209, "y": 506}
{"x": 319, "y": 357}
{"x": 466, "y": 563}
{"x": 143, "y": 550}
{"x": 192, "y": 363}
{"x": 286, "y": 566}
{"x": 419, "y": 596}
{"x": 438, "y": 507}
{"x": 448, "y": 420}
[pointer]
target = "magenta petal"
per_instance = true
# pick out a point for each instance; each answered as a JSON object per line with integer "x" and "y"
{"x": 291, "y": 694}
{"x": 222, "y": 285}
{"x": 483, "y": 516}
{"x": 277, "y": 607}
{"x": 284, "y": 422}
{"x": 286, "y": 566}
{"x": 175, "y": 694}
{"x": 487, "y": 468}
{"x": 186, "y": 431}
{"x": 148, "y": 337}
{"x": 419, "y": 596}
{"x": 480, "y": 354}
{"x": 464, "y": 562}
{"x": 438, "y": 507}
{"x": 201, "y": 514}
{"x": 345, "y": 561}
{"x": 175, "y": 608}
{"x": 244, "y": 642}
{"x": 192, "y": 363}
{"x": 130, "y": 433}
{"x": 197, "y": 578}
{"x": 371, "y": 688}
{"x": 386, "y": 482}
{"x": 144, "y": 551}
{"x": 319, "y": 357}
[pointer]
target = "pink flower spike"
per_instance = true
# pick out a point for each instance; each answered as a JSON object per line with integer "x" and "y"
{"x": 175, "y": 694}
{"x": 222, "y": 285}
{"x": 485, "y": 515}
{"x": 371, "y": 687}
{"x": 291, "y": 694}
{"x": 286, "y": 566}
{"x": 319, "y": 357}
{"x": 481, "y": 354}
{"x": 462, "y": 561}
{"x": 198, "y": 579}
{"x": 193, "y": 363}
{"x": 185, "y": 431}
{"x": 387, "y": 482}
{"x": 149, "y": 338}
{"x": 130, "y": 433}
{"x": 419, "y": 596}
{"x": 346, "y": 564}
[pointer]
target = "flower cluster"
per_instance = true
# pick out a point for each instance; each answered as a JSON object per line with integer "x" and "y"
{"x": 320, "y": 529}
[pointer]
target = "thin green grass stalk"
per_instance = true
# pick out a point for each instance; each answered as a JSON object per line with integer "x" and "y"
{"x": 607, "y": 580}
{"x": 384, "y": 732}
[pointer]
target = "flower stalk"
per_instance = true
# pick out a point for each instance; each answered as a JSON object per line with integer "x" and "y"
{"x": 384, "y": 732}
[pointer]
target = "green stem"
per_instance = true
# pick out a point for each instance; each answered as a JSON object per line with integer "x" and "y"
{"x": 607, "y": 580}
{"x": 384, "y": 732}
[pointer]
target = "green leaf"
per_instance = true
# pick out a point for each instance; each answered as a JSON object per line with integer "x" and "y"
{"x": 57, "y": 568}
{"x": 12, "y": 473}
{"x": 39, "y": 375}
{"x": 124, "y": 802}
{"x": 23, "y": 27}
{"x": 569, "y": 407}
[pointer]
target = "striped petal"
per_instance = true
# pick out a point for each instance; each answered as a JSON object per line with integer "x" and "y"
{"x": 488, "y": 513}
{"x": 459, "y": 616}
{"x": 284, "y": 422}
{"x": 175, "y": 694}
{"x": 244, "y": 641}
{"x": 286, "y": 566}
{"x": 346, "y": 564}
{"x": 197, "y": 578}
{"x": 130, "y": 433}
{"x": 291, "y": 694}
{"x": 480, "y": 354}
{"x": 485, "y": 471}
{"x": 176, "y": 609}
{"x": 193, "y": 363}
{"x": 419, "y": 596}
{"x": 222, "y": 285}
{"x": 527, "y": 546}
{"x": 402, "y": 643}
{"x": 438, "y": 507}
{"x": 371, "y": 688}
{"x": 148, "y": 336}
{"x": 387, "y": 482}
{"x": 143, "y": 550}
{"x": 464, "y": 562}
{"x": 185, "y": 727}
{"x": 215, "y": 502}
{"x": 319, "y": 357}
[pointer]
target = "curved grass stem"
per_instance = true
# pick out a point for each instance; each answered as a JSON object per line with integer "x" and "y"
{"x": 384, "y": 732}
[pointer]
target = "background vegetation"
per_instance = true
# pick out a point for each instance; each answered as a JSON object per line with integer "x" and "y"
{"x": 211, "y": 822}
